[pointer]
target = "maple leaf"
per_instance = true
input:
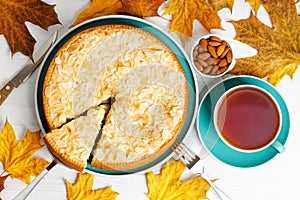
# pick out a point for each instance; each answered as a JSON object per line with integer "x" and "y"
{"x": 219, "y": 4}
{"x": 82, "y": 189}
{"x": 16, "y": 156}
{"x": 184, "y": 12}
{"x": 14, "y": 14}
{"x": 145, "y": 8}
{"x": 278, "y": 47}
{"x": 2, "y": 180}
{"x": 255, "y": 3}
{"x": 167, "y": 185}
{"x": 99, "y": 8}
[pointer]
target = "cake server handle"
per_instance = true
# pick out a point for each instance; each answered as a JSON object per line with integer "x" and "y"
{"x": 29, "y": 188}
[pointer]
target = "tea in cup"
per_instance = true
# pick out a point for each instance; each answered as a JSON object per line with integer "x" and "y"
{"x": 248, "y": 119}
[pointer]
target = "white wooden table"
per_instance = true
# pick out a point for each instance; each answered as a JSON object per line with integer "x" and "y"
{"x": 276, "y": 179}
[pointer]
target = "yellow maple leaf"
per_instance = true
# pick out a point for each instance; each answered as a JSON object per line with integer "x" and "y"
{"x": 219, "y": 4}
{"x": 184, "y": 12}
{"x": 255, "y": 3}
{"x": 167, "y": 185}
{"x": 278, "y": 47}
{"x": 82, "y": 189}
{"x": 16, "y": 156}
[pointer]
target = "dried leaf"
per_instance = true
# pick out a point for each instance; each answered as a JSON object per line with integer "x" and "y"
{"x": 167, "y": 185}
{"x": 185, "y": 12}
{"x": 2, "y": 180}
{"x": 14, "y": 14}
{"x": 138, "y": 8}
{"x": 219, "y": 4}
{"x": 99, "y": 8}
{"x": 16, "y": 156}
{"x": 145, "y": 8}
{"x": 255, "y": 3}
{"x": 82, "y": 189}
{"x": 278, "y": 47}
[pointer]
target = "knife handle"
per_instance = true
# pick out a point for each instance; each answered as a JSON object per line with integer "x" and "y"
{"x": 5, "y": 91}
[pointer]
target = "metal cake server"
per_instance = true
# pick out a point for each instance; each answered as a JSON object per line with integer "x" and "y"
{"x": 27, "y": 69}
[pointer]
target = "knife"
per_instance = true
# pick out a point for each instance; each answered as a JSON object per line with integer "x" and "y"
{"x": 27, "y": 69}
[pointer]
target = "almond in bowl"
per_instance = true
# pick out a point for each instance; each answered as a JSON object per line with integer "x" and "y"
{"x": 212, "y": 56}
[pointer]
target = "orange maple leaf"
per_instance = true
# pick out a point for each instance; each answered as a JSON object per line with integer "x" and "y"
{"x": 167, "y": 185}
{"x": 278, "y": 47}
{"x": 184, "y": 12}
{"x": 99, "y": 8}
{"x": 14, "y": 14}
{"x": 2, "y": 180}
{"x": 145, "y": 8}
{"x": 16, "y": 156}
{"x": 82, "y": 189}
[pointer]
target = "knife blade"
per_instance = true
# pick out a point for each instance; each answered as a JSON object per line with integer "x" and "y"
{"x": 27, "y": 69}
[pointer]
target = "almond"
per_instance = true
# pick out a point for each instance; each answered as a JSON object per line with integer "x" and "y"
{"x": 207, "y": 69}
{"x": 216, "y": 60}
{"x": 221, "y": 49}
{"x": 203, "y": 63}
{"x": 215, "y": 38}
{"x": 212, "y": 51}
{"x": 229, "y": 57}
{"x": 214, "y": 70}
{"x": 223, "y": 63}
{"x": 222, "y": 70}
{"x": 198, "y": 65}
{"x": 203, "y": 42}
{"x": 210, "y": 61}
{"x": 195, "y": 52}
{"x": 225, "y": 52}
{"x": 203, "y": 56}
{"x": 214, "y": 43}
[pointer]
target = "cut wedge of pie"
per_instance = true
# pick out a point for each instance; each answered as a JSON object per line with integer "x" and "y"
{"x": 73, "y": 142}
{"x": 136, "y": 69}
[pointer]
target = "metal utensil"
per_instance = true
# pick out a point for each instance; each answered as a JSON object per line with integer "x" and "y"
{"x": 29, "y": 188}
{"x": 195, "y": 165}
{"x": 27, "y": 70}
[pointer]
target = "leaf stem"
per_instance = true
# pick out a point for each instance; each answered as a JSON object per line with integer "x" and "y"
{"x": 2, "y": 173}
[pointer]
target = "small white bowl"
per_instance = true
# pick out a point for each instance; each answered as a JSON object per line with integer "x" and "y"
{"x": 215, "y": 65}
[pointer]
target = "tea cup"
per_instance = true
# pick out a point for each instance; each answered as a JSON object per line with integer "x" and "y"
{"x": 248, "y": 119}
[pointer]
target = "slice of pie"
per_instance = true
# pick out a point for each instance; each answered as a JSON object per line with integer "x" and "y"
{"x": 73, "y": 142}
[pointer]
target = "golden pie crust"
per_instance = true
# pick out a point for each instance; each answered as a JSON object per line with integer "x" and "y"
{"x": 140, "y": 72}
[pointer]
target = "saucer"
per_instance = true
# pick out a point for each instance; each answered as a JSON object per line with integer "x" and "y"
{"x": 210, "y": 138}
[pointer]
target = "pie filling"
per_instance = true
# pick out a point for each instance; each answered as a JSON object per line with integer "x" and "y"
{"x": 136, "y": 69}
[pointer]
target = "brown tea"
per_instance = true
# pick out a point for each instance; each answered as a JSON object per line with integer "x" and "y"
{"x": 248, "y": 118}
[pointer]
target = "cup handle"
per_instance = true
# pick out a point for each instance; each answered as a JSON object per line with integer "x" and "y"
{"x": 278, "y": 146}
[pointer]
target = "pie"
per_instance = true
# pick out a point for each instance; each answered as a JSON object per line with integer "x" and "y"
{"x": 138, "y": 71}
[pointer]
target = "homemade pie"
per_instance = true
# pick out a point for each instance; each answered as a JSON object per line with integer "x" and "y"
{"x": 139, "y": 72}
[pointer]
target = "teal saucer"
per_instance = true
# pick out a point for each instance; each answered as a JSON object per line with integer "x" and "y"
{"x": 215, "y": 145}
